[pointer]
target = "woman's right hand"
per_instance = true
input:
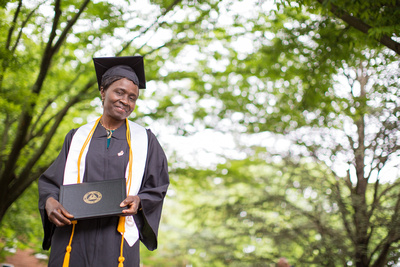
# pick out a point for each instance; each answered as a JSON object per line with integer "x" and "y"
{"x": 56, "y": 213}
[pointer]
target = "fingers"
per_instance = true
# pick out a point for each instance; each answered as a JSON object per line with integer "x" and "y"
{"x": 132, "y": 208}
{"x": 56, "y": 213}
{"x": 66, "y": 213}
{"x": 132, "y": 204}
{"x": 58, "y": 218}
{"x": 129, "y": 200}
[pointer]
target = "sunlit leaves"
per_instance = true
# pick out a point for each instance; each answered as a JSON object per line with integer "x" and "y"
{"x": 253, "y": 212}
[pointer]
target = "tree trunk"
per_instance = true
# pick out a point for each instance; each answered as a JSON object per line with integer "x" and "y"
{"x": 361, "y": 218}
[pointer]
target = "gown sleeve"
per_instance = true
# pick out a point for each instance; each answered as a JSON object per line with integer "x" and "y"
{"x": 49, "y": 186}
{"x": 153, "y": 190}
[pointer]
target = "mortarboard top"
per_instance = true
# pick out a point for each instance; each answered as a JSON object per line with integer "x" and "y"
{"x": 102, "y": 64}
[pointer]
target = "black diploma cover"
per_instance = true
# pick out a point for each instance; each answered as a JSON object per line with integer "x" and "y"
{"x": 94, "y": 199}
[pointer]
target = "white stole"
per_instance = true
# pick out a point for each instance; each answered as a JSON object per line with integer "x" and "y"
{"x": 139, "y": 143}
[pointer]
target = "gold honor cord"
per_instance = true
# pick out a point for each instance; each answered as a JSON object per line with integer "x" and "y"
{"x": 69, "y": 248}
{"x": 121, "y": 229}
{"x": 128, "y": 138}
{"x": 121, "y": 223}
{"x": 83, "y": 148}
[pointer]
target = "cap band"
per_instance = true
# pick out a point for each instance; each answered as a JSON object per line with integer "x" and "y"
{"x": 121, "y": 70}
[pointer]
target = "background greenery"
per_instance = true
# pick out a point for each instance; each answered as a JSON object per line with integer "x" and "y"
{"x": 309, "y": 90}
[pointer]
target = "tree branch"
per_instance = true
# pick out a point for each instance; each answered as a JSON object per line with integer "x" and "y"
{"x": 361, "y": 26}
{"x": 345, "y": 213}
{"x": 21, "y": 183}
{"x": 128, "y": 43}
{"x": 71, "y": 23}
{"x": 391, "y": 237}
{"x": 12, "y": 27}
{"x": 23, "y": 26}
{"x": 26, "y": 116}
{"x": 42, "y": 126}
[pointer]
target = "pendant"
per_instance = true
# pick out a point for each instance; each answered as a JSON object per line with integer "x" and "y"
{"x": 109, "y": 133}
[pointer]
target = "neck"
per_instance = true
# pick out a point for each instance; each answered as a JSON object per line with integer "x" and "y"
{"x": 110, "y": 124}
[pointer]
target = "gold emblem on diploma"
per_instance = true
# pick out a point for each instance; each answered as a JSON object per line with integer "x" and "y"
{"x": 92, "y": 197}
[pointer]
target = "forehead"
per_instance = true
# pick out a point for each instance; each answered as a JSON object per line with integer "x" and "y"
{"x": 126, "y": 85}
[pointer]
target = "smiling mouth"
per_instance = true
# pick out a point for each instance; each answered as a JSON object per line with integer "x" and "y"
{"x": 120, "y": 108}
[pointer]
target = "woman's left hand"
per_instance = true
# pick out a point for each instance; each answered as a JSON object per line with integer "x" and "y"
{"x": 132, "y": 202}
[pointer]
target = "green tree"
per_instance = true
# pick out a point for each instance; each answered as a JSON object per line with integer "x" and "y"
{"x": 20, "y": 232}
{"x": 313, "y": 80}
{"x": 377, "y": 19}
{"x": 251, "y": 212}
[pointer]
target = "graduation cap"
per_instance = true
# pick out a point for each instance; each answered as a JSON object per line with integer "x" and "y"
{"x": 130, "y": 67}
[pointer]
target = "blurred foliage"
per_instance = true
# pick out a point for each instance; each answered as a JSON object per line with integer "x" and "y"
{"x": 255, "y": 211}
{"x": 21, "y": 228}
{"x": 381, "y": 16}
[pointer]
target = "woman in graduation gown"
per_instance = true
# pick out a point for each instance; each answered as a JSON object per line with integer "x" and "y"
{"x": 100, "y": 241}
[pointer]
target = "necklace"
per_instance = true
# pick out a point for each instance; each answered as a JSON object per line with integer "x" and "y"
{"x": 109, "y": 131}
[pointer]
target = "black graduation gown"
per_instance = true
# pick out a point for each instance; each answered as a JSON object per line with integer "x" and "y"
{"x": 96, "y": 242}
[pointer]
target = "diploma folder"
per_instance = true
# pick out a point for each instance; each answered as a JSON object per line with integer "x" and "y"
{"x": 94, "y": 199}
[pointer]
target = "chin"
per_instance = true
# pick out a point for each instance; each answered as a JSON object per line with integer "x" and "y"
{"x": 120, "y": 117}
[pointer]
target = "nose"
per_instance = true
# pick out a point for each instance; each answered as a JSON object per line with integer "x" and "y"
{"x": 124, "y": 100}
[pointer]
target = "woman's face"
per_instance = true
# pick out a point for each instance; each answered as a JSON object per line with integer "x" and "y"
{"x": 119, "y": 99}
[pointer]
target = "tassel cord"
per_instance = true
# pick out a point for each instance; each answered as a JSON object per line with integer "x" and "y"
{"x": 69, "y": 247}
{"x": 84, "y": 146}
